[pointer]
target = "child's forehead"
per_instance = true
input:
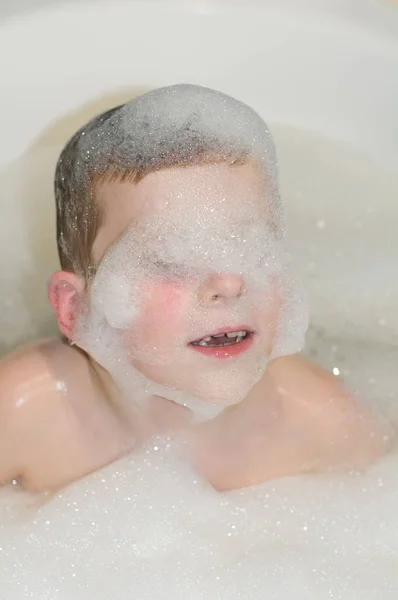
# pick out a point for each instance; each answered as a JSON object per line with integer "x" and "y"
{"x": 185, "y": 193}
{"x": 212, "y": 183}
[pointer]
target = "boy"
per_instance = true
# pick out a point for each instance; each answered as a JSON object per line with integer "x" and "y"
{"x": 178, "y": 309}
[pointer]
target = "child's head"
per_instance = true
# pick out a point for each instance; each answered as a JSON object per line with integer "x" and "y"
{"x": 170, "y": 230}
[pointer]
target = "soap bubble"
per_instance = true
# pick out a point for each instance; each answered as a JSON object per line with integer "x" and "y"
{"x": 216, "y": 215}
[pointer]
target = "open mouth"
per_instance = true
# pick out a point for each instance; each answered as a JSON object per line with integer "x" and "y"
{"x": 222, "y": 339}
{"x": 224, "y": 344}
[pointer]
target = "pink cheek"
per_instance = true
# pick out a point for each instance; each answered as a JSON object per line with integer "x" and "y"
{"x": 164, "y": 308}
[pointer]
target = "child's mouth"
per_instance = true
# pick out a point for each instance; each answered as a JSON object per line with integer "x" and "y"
{"x": 224, "y": 345}
{"x": 223, "y": 339}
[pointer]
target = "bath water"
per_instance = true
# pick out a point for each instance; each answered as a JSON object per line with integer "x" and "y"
{"x": 147, "y": 527}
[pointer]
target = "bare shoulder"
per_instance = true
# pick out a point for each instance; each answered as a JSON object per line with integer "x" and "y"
{"x": 290, "y": 371}
{"x": 346, "y": 429}
{"x": 311, "y": 390}
{"x": 35, "y": 371}
{"x": 33, "y": 379}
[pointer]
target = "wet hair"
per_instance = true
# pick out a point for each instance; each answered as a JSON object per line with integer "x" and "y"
{"x": 78, "y": 216}
{"x": 159, "y": 130}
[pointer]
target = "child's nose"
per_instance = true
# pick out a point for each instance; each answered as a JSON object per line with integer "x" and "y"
{"x": 222, "y": 286}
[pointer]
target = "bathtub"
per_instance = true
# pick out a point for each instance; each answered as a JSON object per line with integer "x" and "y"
{"x": 324, "y": 67}
{"x": 324, "y": 75}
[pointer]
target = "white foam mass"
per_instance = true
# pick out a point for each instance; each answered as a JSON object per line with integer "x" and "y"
{"x": 178, "y": 124}
{"x": 113, "y": 297}
{"x": 184, "y": 253}
{"x": 202, "y": 227}
{"x": 148, "y": 528}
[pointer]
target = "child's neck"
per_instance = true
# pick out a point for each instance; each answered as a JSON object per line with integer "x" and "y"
{"x": 158, "y": 416}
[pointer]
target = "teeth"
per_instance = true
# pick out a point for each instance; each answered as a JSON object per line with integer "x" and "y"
{"x": 236, "y": 334}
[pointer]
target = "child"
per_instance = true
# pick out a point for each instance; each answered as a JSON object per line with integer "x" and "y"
{"x": 178, "y": 309}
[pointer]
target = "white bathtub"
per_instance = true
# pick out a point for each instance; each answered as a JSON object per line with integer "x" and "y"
{"x": 320, "y": 64}
{"x": 315, "y": 70}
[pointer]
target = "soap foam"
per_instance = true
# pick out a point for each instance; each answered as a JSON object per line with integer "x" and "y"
{"x": 147, "y": 527}
{"x": 204, "y": 224}
{"x": 157, "y": 251}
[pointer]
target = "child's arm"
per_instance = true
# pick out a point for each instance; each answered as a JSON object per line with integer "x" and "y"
{"x": 23, "y": 390}
{"x": 11, "y": 402}
{"x": 55, "y": 426}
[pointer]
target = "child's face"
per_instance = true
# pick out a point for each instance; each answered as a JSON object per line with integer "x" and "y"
{"x": 179, "y": 257}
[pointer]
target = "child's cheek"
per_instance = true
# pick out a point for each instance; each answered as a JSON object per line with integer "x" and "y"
{"x": 267, "y": 313}
{"x": 163, "y": 309}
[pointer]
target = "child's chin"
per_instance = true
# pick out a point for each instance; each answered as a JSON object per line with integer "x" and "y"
{"x": 224, "y": 398}
{"x": 231, "y": 391}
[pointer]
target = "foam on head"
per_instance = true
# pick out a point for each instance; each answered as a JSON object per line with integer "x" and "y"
{"x": 205, "y": 223}
{"x": 177, "y": 125}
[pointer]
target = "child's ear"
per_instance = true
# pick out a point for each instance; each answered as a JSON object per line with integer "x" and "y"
{"x": 65, "y": 294}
